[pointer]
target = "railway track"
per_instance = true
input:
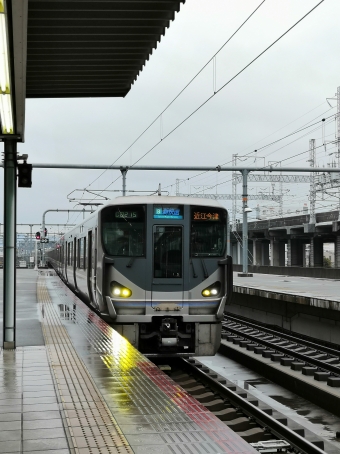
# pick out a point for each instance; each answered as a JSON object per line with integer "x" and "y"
{"x": 310, "y": 358}
{"x": 264, "y": 428}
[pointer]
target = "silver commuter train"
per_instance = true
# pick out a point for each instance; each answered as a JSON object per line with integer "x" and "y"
{"x": 155, "y": 268}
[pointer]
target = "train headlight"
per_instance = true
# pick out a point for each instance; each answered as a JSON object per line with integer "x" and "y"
{"x": 212, "y": 290}
{"x": 119, "y": 290}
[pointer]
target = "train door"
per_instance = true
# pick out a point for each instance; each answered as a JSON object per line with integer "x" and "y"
{"x": 67, "y": 258}
{"x": 167, "y": 280}
{"x": 90, "y": 266}
{"x": 95, "y": 242}
{"x": 75, "y": 262}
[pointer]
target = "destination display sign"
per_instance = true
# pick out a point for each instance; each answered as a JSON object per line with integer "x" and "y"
{"x": 168, "y": 212}
{"x": 205, "y": 216}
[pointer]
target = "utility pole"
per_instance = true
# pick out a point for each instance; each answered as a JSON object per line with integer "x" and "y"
{"x": 312, "y": 192}
{"x": 245, "y": 210}
{"x": 338, "y": 140}
{"x": 124, "y": 172}
{"x": 234, "y": 188}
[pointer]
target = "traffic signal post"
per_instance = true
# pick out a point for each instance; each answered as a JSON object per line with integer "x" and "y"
{"x": 36, "y": 254}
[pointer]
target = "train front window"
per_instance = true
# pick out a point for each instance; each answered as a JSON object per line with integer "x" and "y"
{"x": 167, "y": 244}
{"x": 208, "y": 231}
{"x": 123, "y": 230}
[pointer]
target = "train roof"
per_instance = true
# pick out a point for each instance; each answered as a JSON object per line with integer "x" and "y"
{"x": 160, "y": 200}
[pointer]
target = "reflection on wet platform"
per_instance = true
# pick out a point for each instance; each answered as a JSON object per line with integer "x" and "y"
{"x": 155, "y": 414}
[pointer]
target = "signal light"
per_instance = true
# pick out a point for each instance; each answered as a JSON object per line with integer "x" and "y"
{"x": 24, "y": 175}
{"x": 45, "y": 232}
{"x": 37, "y": 236}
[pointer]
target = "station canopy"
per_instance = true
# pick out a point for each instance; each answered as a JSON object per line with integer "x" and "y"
{"x": 83, "y": 48}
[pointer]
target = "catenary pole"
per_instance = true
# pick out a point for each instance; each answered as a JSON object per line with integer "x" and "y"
{"x": 43, "y": 226}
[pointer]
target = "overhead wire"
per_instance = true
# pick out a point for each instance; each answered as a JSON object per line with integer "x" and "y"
{"x": 251, "y": 154}
{"x": 264, "y": 168}
{"x": 182, "y": 91}
{"x": 215, "y": 93}
{"x": 167, "y": 107}
{"x": 223, "y": 86}
{"x": 228, "y": 82}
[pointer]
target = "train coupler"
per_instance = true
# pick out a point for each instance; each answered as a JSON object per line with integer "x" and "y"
{"x": 169, "y": 332}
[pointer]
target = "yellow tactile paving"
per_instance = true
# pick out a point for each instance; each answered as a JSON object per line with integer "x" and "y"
{"x": 92, "y": 427}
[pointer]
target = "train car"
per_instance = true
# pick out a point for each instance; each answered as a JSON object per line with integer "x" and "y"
{"x": 155, "y": 268}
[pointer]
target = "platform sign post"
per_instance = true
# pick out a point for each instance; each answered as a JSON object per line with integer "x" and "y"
{"x": 9, "y": 244}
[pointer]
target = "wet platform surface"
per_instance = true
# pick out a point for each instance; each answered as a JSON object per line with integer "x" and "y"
{"x": 326, "y": 290}
{"x": 30, "y": 414}
{"x": 28, "y": 324}
{"x": 88, "y": 391}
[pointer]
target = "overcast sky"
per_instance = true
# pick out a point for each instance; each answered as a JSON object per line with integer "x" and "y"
{"x": 280, "y": 93}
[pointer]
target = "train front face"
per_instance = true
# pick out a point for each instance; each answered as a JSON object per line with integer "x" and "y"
{"x": 163, "y": 275}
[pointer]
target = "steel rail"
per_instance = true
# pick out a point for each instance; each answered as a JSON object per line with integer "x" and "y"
{"x": 288, "y": 352}
{"x": 262, "y": 418}
{"x": 328, "y": 350}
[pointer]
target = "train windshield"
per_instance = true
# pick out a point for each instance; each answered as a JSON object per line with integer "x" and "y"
{"x": 208, "y": 231}
{"x": 123, "y": 230}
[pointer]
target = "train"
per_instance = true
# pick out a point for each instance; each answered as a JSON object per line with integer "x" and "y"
{"x": 155, "y": 268}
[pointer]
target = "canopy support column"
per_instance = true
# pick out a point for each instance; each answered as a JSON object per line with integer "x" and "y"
{"x": 9, "y": 244}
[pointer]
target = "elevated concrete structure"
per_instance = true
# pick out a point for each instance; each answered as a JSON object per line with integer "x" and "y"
{"x": 291, "y": 241}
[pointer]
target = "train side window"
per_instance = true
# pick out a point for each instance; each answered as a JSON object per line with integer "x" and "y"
{"x": 68, "y": 254}
{"x": 71, "y": 253}
{"x": 80, "y": 253}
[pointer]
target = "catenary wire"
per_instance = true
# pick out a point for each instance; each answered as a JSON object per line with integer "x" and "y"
{"x": 219, "y": 90}
{"x": 251, "y": 154}
{"x": 226, "y": 84}
{"x": 182, "y": 91}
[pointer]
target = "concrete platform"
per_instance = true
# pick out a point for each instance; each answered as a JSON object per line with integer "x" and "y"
{"x": 29, "y": 330}
{"x": 86, "y": 390}
{"x": 308, "y": 306}
{"x": 322, "y": 293}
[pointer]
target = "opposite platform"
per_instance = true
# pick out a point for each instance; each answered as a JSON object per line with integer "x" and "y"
{"x": 322, "y": 293}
